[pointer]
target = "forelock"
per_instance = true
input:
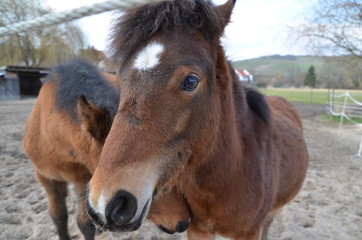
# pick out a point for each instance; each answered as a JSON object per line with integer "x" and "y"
{"x": 134, "y": 29}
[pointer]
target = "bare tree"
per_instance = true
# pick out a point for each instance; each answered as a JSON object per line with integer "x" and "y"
{"x": 331, "y": 74}
{"x": 341, "y": 72}
{"x": 353, "y": 71}
{"x": 44, "y": 47}
{"x": 91, "y": 54}
{"x": 295, "y": 76}
{"x": 332, "y": 27}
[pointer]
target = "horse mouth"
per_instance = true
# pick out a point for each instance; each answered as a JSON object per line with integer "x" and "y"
{"x": 181, "y": 226}
{"x": 129, "y": 227}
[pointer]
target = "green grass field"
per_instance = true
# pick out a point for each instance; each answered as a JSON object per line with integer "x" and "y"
{"x": 316, "y": 96}
{"x": 337, "y": 119}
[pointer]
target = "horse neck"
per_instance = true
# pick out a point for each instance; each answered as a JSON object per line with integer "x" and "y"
{"x": 86, "y": 146}
{"x": 232, "y": 110}
{"x": 225, "y": 165}
{"x": 233, "y": 123}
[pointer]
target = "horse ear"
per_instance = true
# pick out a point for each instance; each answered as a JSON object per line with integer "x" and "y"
{"x": 93, "y": 119}
{"x": 225, "y": 10}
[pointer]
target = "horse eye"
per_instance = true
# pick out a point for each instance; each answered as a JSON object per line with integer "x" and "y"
{"x": 190, "y": 82}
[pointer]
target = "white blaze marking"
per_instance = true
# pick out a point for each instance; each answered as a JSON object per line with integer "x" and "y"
{"x": 146, "y": 195}
{"x": 149, "y": 57}
{"x": 100, "y": 209}
{"x": 102, "y": 205}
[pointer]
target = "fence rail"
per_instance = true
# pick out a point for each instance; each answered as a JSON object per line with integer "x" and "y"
{"x": 347, "y": 109}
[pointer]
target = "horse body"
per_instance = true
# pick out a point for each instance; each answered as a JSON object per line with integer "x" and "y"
{"x": 64, "y": 137}
{"x": 184, "y": 120}
{"x": 236, "y": 194}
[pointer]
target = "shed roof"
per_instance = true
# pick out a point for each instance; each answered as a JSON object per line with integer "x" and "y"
{"x": 24, "y": 69}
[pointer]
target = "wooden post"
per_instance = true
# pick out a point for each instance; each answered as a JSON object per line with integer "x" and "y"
{"x": 343, "y": 111}
{"x": 360, "y": 148}
{"x": 329, "y": 97}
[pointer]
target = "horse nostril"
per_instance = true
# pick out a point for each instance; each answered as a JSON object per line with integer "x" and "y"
{"x": 118, "y": 213}
{"x": 122, "y": 208}
{"x": 182, "y": 226}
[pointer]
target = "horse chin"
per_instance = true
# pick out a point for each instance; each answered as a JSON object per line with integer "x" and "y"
{"x": 180, "y": 227}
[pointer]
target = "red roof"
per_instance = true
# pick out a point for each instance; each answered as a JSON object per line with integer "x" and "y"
{"x": 244, "y": 73}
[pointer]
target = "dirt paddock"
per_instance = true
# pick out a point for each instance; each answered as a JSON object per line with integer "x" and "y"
{"x": 329, "y": 207}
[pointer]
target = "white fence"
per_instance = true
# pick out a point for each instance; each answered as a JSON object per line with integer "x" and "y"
{"x": 346, "y": 107}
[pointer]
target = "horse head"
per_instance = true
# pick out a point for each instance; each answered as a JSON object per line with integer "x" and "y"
{"x": 172, "y": 71}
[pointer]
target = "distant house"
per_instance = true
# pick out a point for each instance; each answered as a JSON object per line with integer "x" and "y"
{"x": 16, "y": 81}
{"x": 244, "y": 75}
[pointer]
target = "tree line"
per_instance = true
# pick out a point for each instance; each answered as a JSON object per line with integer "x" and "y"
{"x": 333, "y": 72}
{"x": 41, "y": 47}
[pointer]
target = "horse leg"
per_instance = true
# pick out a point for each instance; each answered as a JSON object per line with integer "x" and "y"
{"x": 264, "y": 235}
{"x": 84, "y": 223}
{"x": 57, "y": 192}
{"x": 267, "y": 222}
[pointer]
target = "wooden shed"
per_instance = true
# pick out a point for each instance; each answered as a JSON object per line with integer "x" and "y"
{"x": 17, "y": 81}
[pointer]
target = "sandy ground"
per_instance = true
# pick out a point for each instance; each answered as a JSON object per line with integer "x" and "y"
{"x": 328, "y": 207}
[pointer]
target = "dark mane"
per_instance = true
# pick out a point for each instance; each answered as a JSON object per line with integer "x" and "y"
{"x": 257, "y": 104}
{"x": 255, "y": 100}
{"x": 77, "y": 78}
{"x": 135, "y": 28}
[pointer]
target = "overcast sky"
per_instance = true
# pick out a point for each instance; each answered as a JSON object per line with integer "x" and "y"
{"x": 258, "y": 27}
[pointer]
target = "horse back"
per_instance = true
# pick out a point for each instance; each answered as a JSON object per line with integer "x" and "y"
{"x": 283, "y": 109}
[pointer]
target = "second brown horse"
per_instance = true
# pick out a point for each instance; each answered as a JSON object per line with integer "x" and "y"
{"x": 64, "y": 136}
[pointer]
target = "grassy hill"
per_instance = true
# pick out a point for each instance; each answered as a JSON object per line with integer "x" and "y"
{"x": 272, "y": 65}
